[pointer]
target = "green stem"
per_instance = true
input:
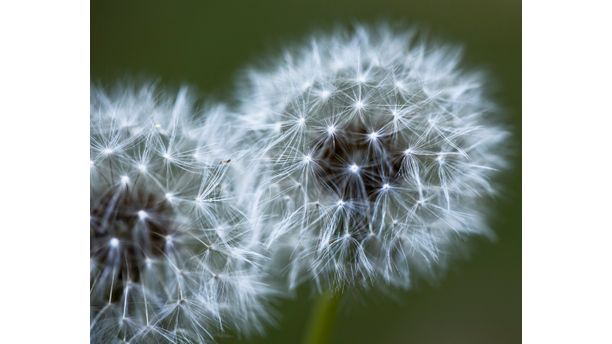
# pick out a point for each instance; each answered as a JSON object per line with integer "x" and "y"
{"x": 323, "y": 318}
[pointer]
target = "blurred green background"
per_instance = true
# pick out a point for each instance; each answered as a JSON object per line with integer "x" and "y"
{"x": 205, "y": 43}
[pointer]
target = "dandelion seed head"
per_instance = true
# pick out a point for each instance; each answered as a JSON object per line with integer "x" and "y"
{"x": 411, "y": 190}
{"x": 147, "y": 243}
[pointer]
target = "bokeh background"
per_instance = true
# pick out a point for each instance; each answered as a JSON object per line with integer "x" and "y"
{"x": 206, "y": 43}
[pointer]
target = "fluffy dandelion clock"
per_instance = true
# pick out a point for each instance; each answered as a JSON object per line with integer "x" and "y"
{"x": 377, "y": 150}
{"x": 172, "y": 259}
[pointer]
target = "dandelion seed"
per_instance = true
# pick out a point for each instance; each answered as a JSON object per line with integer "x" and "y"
{"x": 324, "y": 94}
{"x": 278, "y": 126}
{"x": 114, "y": 242}
{"x": 142, "y": 215}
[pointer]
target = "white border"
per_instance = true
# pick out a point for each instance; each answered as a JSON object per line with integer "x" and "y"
{"x": 44, "y": 94}
{"x": 567, "y": 231}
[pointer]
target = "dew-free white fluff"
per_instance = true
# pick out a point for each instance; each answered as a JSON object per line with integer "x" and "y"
{"x": 375, "y": 151}
{"x": 172, "y": 259}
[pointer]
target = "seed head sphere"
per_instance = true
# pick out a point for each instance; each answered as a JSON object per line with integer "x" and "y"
{"x": 172, "y": 259}
{"x": 377, "y": 151}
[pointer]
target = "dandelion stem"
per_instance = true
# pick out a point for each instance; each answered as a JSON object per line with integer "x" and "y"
{"x": 323, "y": 318}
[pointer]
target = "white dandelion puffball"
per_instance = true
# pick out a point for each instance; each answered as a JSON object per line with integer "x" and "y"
{"x": 377, "y": 151}
{"x": 172, "y": 259}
